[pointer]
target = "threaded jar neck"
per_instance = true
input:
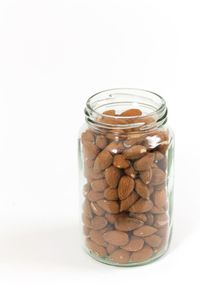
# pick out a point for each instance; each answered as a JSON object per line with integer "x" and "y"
{"x": 152, "y": 106}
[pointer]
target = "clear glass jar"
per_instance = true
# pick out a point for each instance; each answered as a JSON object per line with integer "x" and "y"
{"x": 126, "y": 167}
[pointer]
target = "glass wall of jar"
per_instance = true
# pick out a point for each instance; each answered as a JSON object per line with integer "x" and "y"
{"x": 126, "y": 169}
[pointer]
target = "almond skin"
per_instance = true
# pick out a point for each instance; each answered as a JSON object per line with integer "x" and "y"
{"x": 145, "y": 162}
{"x": 141, "y": 206}
{"x": 116, "y": 238}
{"x": 120, "y": 162}
{"x": 97, "y": 237}
{"x": 153, "y": 240}
{"x": 146, "y": 176}
{"x": 109, "y": 206}
{"x": 111, "y": 248}
{"x": 160, "y": 198}
{"x": 131, "y": 112}
{"x": 142, "y": 189}
{"x": 96, "y": 209}
{"x": 112, "y": 176}
{"x": 94, "y": 196}
{"x": 90, "y": 151}
{"x": 130, "y": 172}
{"x": 103, "y": 160}
{"x": 101, "y": 141}
{"x": 126, "y": 186}
{"x": 134, "y": 152}
{"x": 144, "y": 231}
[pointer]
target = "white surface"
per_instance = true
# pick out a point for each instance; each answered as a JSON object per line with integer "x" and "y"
{"x": 53, "y": 56}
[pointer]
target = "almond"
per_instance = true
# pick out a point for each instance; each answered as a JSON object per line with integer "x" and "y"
{"x": 145, "y": 253}
{"x": 134, "y": 152}
{"x": 157, "y": 210}
{"x": 115, "y": 147}
{"x": 99, "y": 185}
{"x": 112, "y": 176}
{"x": 97, "y": 237}
{"x": 130, "y": 172}
{"x": 142, "y": 189}
{"x": 153, "y": 240}
{"x": 126, "y": 186}
{"x": 110, "y": 112}
{"x": 120, "y": 256}
{"x": 146, "y": 176}
{"x": 87, "y": 136}
{"x": 131, "y": 112}
{"x": 144, "y": 163}
{"x": 124, "y": 223}
{"x": 94, "y": 196}
{"x": 144, "y": 231}
{"x": 141, "y": 206}
{"x": 109, "y": 206}
{"x": 141, "y": 217}
{"x": 103, "y": 160}
{"x": 160, "y": 198}
{"x": 98, "y": 250}
{"x": 98, "y": 222}
{"x": 90, "y": 150}
{"x": 116, "y": 238}
{"x": 120, "y": 162}
{"x": 110, "y": 218}
{"x": 135, "y": 244}
{"x": 158, "y": 176}
{"x": 111, "y": 248}
{"x": 101, "y": 141}
{"x": 128, "y": 202}
{"x": 161, "y": 220}
{"x": 97, "y": 210}
{"x": 111, "y": 194}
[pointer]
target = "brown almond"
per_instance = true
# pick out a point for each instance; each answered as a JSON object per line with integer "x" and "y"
{"x": 99, "y": 222}
{"x": 145, "y": 253}
{"x": 116, "y": 238}
{"x": 120, "y": 162}
{"x": 97, "y": 237}
{"x": 144, "y": 231}
{"x": 112, "y": 176}
{"x": 124, "y": 223}
{"x": 115, "y": 147}
{"x": 141, "y": 206}
{"x": 150, "y": 219}
{"x": 146, "y": 176}
{"x": 110, "y": 218}
{"x": 98, "y": 250}
{"x": 141, "y": 217}
{"x": 134, "y": 152}
{"x": 144, "y": 163}
{"x": 158, "y": 155}
{"x": 103, "y": 160}
{"x": 161, "y": 220}
{"x": 120, "y": 256}
{"x": 86, "y": 188}
{"x": 130, "y": 172}
{"x": 101, "y": 141}
{"x": 158, "y": 176}
{"x": 126, "y": 186}
{"x": 94, "y": 196}
{"x": 97, "y": 210}
{"x": 111, "y": 194}
{"x": 142, "y": 189}
{"x": 131, "y": 112}
{"x": 153, "y": 240}
{"x": 157, "y": 210}
{"x": 160, "y": 198}
{"x": 135, "y": 244}
{"x": 87, "y": 136}
{"x": 86, "y": 230}
{"x": 90, "y": 151}
{"x": 87, "y": 209}
{"x": 110, "y": 112}
{"x": 128, "y": 202}
{"x": 99, "y": 185}
{"x": 109, "y": 206}
{"x": 111, "y": 248}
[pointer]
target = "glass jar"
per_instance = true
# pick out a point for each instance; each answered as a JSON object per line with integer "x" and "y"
{"x": 126, "y": 167}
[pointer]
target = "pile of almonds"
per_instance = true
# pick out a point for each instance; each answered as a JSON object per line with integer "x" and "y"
{"x": 125, "y": 211}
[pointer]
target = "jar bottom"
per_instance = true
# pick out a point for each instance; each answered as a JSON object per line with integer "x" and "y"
{"x": 107, "y": 261}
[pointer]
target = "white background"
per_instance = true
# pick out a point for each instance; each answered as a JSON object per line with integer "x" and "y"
{"x": 53, "y": 56}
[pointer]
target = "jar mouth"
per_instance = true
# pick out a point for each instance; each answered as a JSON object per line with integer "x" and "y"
{"x": 152, "y": 105}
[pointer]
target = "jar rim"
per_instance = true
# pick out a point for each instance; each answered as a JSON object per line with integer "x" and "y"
{"x": 157, "y": 103}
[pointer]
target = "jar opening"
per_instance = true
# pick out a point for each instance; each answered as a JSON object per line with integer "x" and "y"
{"x": 152, "y": 106}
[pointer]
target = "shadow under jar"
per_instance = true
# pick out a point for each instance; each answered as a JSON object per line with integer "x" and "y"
{"x": 126, "y": 162}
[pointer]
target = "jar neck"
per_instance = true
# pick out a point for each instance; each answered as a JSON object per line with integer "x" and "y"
{"x": 153, "y": 107}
